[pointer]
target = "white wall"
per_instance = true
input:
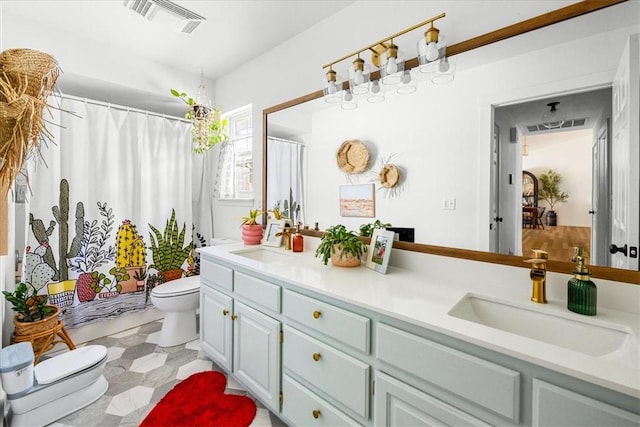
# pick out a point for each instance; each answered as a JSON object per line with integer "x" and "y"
{"x": 569, "y": 154}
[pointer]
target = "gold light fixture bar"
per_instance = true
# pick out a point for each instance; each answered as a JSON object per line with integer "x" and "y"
{"x": 383, "y": 41}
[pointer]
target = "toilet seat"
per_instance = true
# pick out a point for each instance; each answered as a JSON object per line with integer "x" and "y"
{"x": 56, "y": 368}
{"x": 174, "y": 288}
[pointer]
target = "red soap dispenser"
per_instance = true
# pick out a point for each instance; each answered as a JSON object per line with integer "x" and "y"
{"x": 298, "y": 240}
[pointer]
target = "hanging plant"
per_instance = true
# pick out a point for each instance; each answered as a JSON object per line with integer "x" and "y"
{"x": 208, "y": 128}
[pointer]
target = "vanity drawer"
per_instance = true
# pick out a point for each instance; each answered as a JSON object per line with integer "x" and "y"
{"x": 303, "y": 408}
{"x": 487, "y": 384}
{"x": 258, "y": 291}
{"x": 337, "y": 374}
{"x": 348, "y": 328}
{"x": 216, "y": 274}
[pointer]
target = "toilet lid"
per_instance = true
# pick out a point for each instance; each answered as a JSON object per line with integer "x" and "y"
{"x": 61, "y": 366}
{"x": 177, "y": 287}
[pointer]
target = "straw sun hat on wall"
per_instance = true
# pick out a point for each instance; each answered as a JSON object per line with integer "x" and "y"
{"x": 27, "y": 79}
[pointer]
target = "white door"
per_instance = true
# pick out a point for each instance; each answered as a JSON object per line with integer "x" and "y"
{"x": 600, "y": 206}
{"x": 625, "y": 158}
{"x": 494, "y": 226}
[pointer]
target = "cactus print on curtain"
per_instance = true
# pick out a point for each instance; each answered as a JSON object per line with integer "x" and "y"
{"x": 109, "y": 211}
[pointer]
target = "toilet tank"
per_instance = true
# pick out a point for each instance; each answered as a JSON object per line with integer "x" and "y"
{"x": 16, "y": 367}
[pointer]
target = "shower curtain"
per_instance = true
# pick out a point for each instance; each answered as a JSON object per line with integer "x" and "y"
{"x": 285, "y": 176}
{"x": 110, "y": 214}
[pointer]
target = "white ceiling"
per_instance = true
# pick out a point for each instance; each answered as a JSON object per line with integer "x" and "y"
{"x": 233, "y": 33}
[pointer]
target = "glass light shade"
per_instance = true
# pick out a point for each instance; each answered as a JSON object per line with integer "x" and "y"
{"x": 408, "y": 83}
{"x": 445, "y": 72}
{"x": 554, "y": 118}
{"x": 376, "y": 92}
{"x": 348, "y": 101}
{"x": 332, "y": 87}
{"x": 430, "y": 53}
{"x": 359, "y": 76}
{"x": 391, "y": 65}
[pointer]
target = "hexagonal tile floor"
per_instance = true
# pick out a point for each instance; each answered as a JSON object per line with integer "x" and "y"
{"x": 140, "y": 373}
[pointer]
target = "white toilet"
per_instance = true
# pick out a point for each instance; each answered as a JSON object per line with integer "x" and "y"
{"x": 178, "y": 299}
{"x": 55, "y": 387}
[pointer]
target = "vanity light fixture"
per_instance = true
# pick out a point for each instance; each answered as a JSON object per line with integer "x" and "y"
{"x": 392, "y": 73}
{"x": 554, "y": 118}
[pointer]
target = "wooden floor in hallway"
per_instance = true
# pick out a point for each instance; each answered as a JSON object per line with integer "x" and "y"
{"x": 558, "y": 241}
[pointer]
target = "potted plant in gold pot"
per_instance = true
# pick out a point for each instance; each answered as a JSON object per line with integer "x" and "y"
{"x": 251, "y": 229}
{"x": 344, "y": 247}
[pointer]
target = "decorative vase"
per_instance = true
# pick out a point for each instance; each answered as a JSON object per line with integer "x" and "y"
{"x": 252, "y": 234}
{"x": 344, "y": 260}
{"x": 552, "y": 218}
{"x": 84, "y": 289}
{"x": 169, "y": 275}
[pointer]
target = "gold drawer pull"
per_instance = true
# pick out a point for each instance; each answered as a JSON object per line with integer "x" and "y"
{"x": 316, "y": 413}
{"x": 225, "y": 312}
{"x": 316, "y": 356}
{"x": 234, "y": 316}
{"x": 317, "y": 314}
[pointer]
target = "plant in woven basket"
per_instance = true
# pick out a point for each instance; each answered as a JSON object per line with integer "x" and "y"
{"x": 337, "y": 239}
{"x": 26, "y": 302}
{"x": 167, "y": 248}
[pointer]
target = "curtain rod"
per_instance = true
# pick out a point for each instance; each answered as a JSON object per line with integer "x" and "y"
{"x": 288, "y": 141}
{"x": 122, "y": 107}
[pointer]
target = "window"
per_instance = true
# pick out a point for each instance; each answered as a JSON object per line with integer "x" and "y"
{"x": 236, "y": 156}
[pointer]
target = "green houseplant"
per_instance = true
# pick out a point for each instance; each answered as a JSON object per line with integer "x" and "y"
{"x": 550, "y": 192}
{"x": 167, "y": 250}
{"x": 344, "y": 247}
{"x": 366, "y": 230}
{"x": 29, "y": 306}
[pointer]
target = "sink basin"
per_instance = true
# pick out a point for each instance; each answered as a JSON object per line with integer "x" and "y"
{"x": 263, "y": 255}
{"x": 588, "y": 336}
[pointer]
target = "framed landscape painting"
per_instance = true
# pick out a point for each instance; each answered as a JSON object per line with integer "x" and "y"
{"x": 358, "y": 200}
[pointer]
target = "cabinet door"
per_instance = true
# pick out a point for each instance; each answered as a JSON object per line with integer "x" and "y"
{"x": 215, "y": 326}
{"x": 256, "y": 360}
{"x": 398, "y": 404}
{"x": 554, "y": 405}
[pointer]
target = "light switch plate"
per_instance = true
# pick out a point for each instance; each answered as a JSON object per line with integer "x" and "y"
{"x": 450, "y": 204}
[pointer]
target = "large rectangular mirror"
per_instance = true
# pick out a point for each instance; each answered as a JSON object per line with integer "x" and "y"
{"x": 461, "y": 148}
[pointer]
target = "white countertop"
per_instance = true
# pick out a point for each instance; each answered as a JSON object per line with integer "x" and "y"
{"x": 424, "y": 299}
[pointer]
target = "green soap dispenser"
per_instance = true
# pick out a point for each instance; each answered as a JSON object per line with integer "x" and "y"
{"x": 582, "y": 294}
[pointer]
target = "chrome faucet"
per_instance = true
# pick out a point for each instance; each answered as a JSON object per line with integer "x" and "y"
{"x": 538, "y": 276}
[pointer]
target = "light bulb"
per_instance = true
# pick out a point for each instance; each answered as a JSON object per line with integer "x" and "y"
{"x": 359, "y": 78}
{"x": 432, "y": 51}
{"x": 332, "y": 88}
{"x": 348, "y": 96}
{"x": 443, "y": 67}
{"x": 375, "y": 87}
{"x": 392, "y": 66}
{"x": 406, "y": 77}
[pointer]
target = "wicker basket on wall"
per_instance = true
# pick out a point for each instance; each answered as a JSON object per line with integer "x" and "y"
{"x": 27, "y": 79}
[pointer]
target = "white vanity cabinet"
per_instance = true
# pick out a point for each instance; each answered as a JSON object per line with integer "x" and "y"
{"x": 239, "y": 328}
{"x": 317, "y": 358}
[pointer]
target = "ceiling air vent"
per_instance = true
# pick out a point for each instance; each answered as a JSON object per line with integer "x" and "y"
{"x": 568, "y": 124}
{"x": 167, "y": 12}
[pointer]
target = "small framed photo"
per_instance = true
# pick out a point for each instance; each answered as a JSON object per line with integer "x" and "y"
{"x": 273, "y": 233}
{"x": 380, "y": 250}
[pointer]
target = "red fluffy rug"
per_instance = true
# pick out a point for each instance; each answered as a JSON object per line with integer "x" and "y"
{"x": 200, "y": 401}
